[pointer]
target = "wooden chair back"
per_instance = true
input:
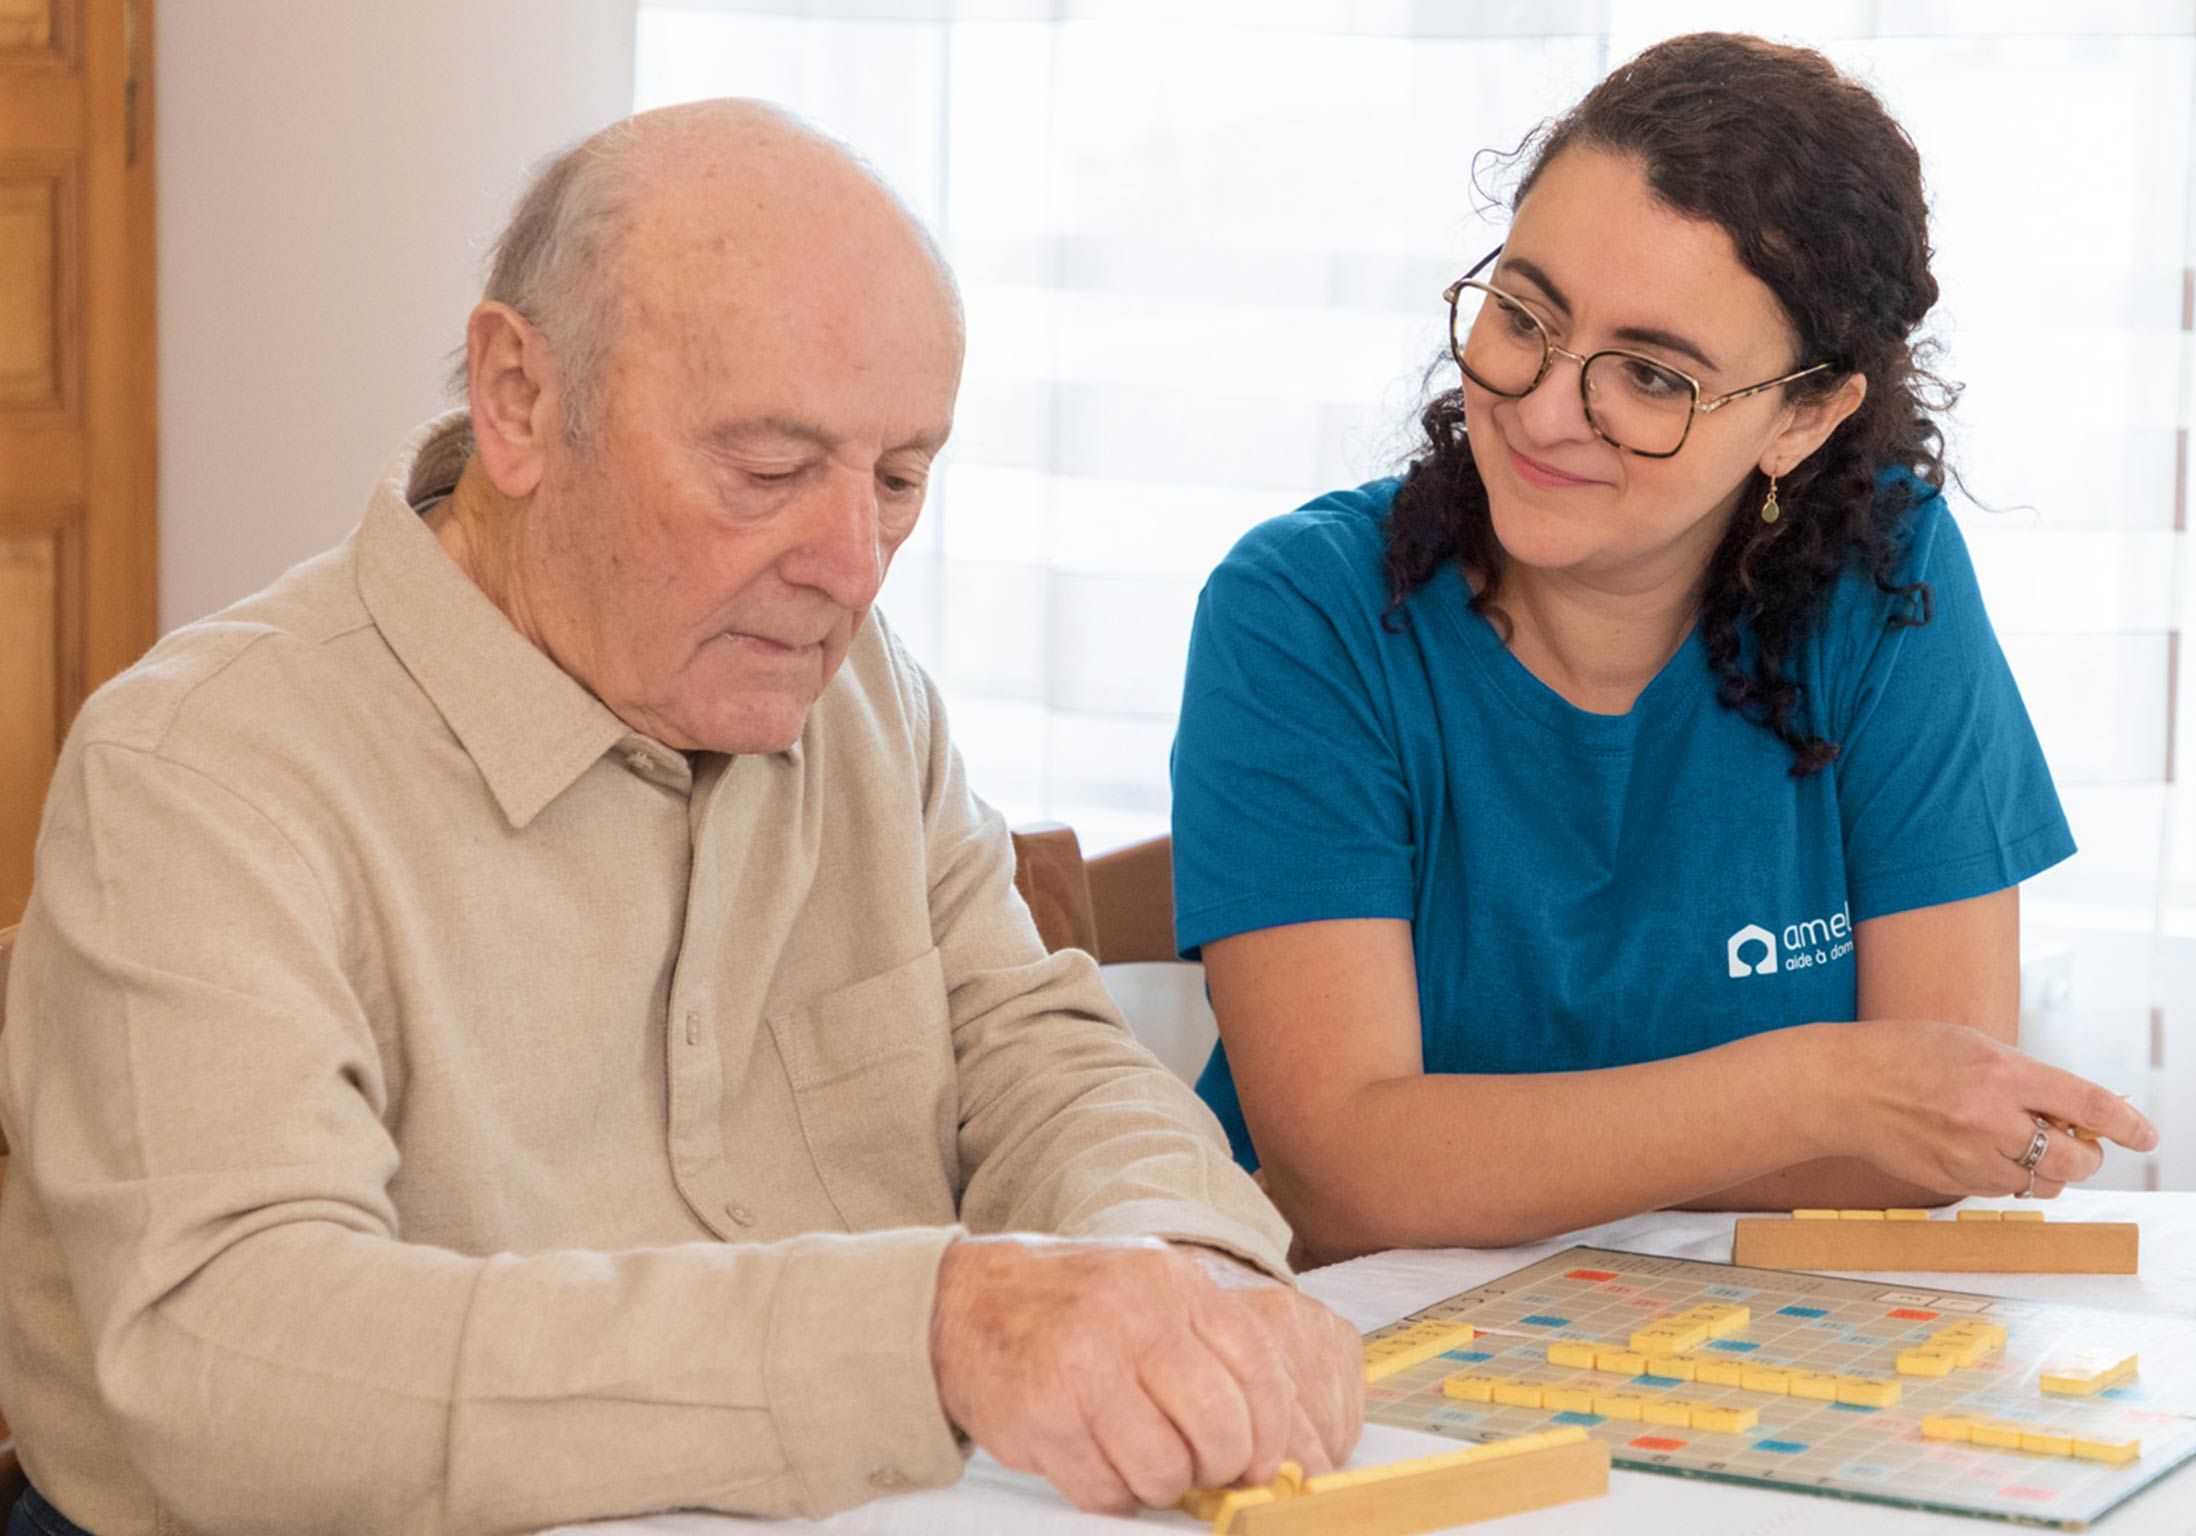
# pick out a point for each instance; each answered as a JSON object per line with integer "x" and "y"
{"x": 11, "y": 1475}
{"x": 1119, "y": 907}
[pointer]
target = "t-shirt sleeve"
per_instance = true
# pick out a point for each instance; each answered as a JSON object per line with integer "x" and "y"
{"x": 1290, "y": 803}
{"x": 1942, "y": 786}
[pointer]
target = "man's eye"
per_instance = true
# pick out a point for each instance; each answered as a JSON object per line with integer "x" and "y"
{"x": 771, "y": 477}
{"x": 899, "y": 485}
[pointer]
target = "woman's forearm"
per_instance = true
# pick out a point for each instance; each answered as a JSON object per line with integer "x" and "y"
{"x": 1840, "y": 1183}
{"x": 1489, "y": 1161}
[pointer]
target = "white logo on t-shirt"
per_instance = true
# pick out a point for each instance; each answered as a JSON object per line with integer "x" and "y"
{"x": 1752, "y": 933}
{"x": 1818, "y": 941}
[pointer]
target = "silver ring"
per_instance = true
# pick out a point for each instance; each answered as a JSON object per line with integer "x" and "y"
{"x": 2030, "y": 1192}
{"x": 2038, "y": 1144}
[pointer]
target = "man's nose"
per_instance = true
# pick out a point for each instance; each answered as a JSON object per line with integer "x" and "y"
{"x": 840, "y": 551}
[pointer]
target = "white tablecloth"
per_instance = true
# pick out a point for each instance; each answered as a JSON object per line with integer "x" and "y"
{"x": 1383, "y": 1287}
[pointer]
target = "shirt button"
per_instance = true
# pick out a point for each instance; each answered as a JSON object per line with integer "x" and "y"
{"x": 740, "y": 1214}
{"x": 693, "y": 1027}
{"x": 637, "y": 760}
{"x": 887, "y": 1478}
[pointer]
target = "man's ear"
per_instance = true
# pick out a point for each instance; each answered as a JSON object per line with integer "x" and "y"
{"x": 510, "y": 384}
{"x": 1807, "y": 427}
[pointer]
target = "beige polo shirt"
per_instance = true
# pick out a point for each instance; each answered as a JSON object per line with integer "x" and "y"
{"x": 439, "y": 1108}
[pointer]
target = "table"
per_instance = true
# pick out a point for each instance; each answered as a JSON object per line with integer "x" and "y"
{"x": 1381, "y": 1287}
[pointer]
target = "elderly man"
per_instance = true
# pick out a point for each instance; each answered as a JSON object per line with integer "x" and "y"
{"x": 519, "y": 1021}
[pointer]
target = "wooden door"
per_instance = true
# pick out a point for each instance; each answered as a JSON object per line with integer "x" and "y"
{"x": 78, "y": 563}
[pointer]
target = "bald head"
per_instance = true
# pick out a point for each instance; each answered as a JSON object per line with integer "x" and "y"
{"x": 709, "y": 383}
{"x": 711, "y": 192}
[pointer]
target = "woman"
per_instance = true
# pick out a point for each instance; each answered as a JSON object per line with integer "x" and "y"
{"x": 1546, "y": 818}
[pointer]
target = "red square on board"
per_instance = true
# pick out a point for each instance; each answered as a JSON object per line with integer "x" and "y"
{"x": 1914, "y": 1316}
{"x": 1591, "y": 1274}
{"x": 1658, "y": 1443}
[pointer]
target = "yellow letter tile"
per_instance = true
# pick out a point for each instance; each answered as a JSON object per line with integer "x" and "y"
{"x": 1867, "y": 1391}
{"x": 2114, "y": 1451}
{"x": 1518, "y": 1394}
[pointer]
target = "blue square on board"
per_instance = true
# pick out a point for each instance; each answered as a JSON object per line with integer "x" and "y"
{"x": 1657, "y": 1382}
{"x": 1803, "y": 1311}
{"x": 1468, "y": 1356}
{"x": 1587, "y": 1419}
{"x": 1735, "y": 1346}
{"x": 1781, "y": 1447}
{"x": 1543, "y": 1320}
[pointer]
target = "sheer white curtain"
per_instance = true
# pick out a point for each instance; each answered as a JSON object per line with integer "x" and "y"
{"x": 1203, "y": 246}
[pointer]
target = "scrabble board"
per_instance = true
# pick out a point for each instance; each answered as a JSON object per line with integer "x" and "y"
{"x": 1830, "y": 1327}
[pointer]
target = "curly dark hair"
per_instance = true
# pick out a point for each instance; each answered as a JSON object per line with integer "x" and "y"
{"x": 1821, "y": 193}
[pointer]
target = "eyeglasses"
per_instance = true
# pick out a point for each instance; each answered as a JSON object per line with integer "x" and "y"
{"x": 1632, "y": 402}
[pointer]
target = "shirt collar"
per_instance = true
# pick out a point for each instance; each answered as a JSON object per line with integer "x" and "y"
{"x": 528, "y": 725}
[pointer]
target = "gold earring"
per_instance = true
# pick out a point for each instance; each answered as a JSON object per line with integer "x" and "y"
{"x": 1769, "y": 509}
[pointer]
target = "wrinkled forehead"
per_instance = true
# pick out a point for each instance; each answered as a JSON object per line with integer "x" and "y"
{"x": 785, "y": 259}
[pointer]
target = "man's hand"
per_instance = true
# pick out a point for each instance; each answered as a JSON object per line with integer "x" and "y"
{"x": 1127, "y": 1373}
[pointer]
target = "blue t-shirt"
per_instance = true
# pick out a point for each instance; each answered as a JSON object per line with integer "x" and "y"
{"x": 1585, "y": 890}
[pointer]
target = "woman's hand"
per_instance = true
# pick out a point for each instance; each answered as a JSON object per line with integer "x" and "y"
{"x": 1953, "y": 1110}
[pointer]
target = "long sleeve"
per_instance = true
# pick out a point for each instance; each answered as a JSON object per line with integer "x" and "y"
{"x": 199, "y": 1105}
{"x": 1067, "y": 1124}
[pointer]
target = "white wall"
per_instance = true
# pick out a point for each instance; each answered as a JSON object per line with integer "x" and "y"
{"x": 330, "y": 173}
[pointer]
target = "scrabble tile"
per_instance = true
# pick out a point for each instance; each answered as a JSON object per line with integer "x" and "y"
{"x": 1981, "y": 1215}
{"x": 1815, "y": 1215}
{"x": 1726, "y": 1421}
{"x": 1471, "y": 1389}
{"x": 2114, "y": 1451}
{"x": 1965, "y": 1349}
{"x": 1946, "y": 1426}
{"x": 1415, "y": 1345}
{"x": 2022, "y": 1215}
{"x": 1734, "y": 1320}
{"x": 1562, "y": 1434}
{"x": 1868, "y": 1391}
{"x": 2085, "y": 1374}
{"x": 1905, "y": 1213}
{"x": 1819, "y": 1386}
{"x": 1766, "y": 1378}
{"x": 1926, "y": 1362}
{"x": 1667, "y": 1410}
{"x": 1995, "y": 1432}
{"x": 1676, "y": 1367}
{"x": 1572, "y": 1352}
{"x": 1220, "y": 1504}
{"x": 1619, "y": 1405}
{"x": 1567, "y": 1399}
{"x": 2039, "y": 1441}
{"x": 1669, "y": 1341}
{"x": 1624, "y": 1362}
{"x": 1860, "y": 1216}
{"x": 1992, "y": 1334}
{"x": 1517, "y": 1394}
{"x": 1719, "y": 1373}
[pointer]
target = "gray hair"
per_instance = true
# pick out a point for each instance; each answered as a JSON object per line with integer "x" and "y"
{"x": 550, "y": 263}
